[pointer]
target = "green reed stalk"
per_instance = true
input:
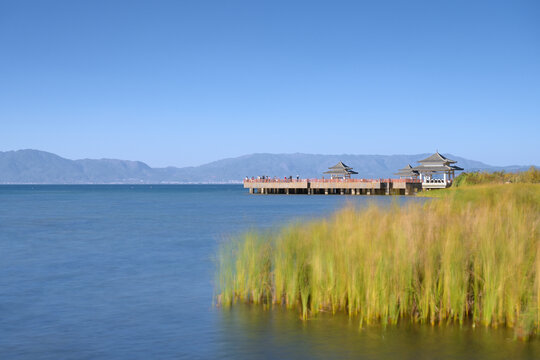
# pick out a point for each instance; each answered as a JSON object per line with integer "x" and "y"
{"x": 472, "y": 253}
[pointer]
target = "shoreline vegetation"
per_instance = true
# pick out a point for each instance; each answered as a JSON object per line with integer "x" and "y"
{"x": 470, "y": 254}
{"x": 531, "y": 176}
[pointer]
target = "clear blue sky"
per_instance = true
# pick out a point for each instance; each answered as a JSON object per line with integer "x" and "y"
{"x": 187, "y": 82}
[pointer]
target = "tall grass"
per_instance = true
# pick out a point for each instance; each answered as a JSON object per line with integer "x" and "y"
{"x": 531, "y": 176}
{"x": 472, "y": 254}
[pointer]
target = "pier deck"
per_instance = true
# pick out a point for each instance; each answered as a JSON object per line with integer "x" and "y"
{"x": 334, "y": 186}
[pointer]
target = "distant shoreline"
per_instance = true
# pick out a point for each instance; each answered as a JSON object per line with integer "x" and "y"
{"x": 41, "y": 167}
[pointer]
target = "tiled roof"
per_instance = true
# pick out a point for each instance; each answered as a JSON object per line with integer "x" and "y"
{"x": 437, "y": 158}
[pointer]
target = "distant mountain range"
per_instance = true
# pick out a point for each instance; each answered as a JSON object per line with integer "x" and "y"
{"x": 40, "y": 167}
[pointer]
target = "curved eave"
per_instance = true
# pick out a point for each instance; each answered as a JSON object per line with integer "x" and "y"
{"x": 340, "y": 172}
{"x": 406, "y": 175}
{"x": 444, "y": 168}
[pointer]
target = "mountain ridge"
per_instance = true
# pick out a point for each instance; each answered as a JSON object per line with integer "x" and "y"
{"x": 30, "y": 166}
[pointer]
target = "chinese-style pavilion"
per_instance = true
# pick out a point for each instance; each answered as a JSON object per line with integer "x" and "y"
{"x": 433, "y": 167}
{"x": 340, "y": 171}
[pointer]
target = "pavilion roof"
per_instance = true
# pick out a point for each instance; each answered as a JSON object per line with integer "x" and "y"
{"x": 340, "y": 169}
{"x": 436, "y": 168}
{"x": 340, "y": 165}
{"x": 406, "y": 168}
{"x": 407, "y": 171}
{"x": 429, "y": 165}
{"x": 410, "y": 173}
{"x": 437, "y": 158}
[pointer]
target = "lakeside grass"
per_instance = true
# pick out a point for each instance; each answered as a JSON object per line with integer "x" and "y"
{"x": 531, "y": 176}
{"x": 471, "y": 254}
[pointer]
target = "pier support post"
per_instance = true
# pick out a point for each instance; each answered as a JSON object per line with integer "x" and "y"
{"x": 353, "y": 191}
{"x": 326, "y": 191}
{"x": 287, "y": 191}
{"x": 251, "y": 190}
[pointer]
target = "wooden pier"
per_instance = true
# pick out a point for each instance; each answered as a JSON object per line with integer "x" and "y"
{"x": 333, "y": 186}
{"x": 411, "y": 181}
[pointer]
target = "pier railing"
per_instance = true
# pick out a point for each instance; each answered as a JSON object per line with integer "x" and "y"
{"x": 287, "y": 181}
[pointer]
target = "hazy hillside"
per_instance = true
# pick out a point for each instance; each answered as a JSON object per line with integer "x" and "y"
{"x": 34, "y": 166}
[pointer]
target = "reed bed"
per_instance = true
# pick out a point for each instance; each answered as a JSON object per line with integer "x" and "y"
{"x": 531, "y": 176}
{"x": 471, "y": 254}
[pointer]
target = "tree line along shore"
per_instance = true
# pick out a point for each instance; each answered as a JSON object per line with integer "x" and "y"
{"x": 472, "y": 254}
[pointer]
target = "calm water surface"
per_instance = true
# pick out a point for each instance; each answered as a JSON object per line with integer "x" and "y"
{"x": 101, "y": 272}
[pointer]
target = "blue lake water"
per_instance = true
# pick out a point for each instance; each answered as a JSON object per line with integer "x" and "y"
{"x": 126, "y": 272}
